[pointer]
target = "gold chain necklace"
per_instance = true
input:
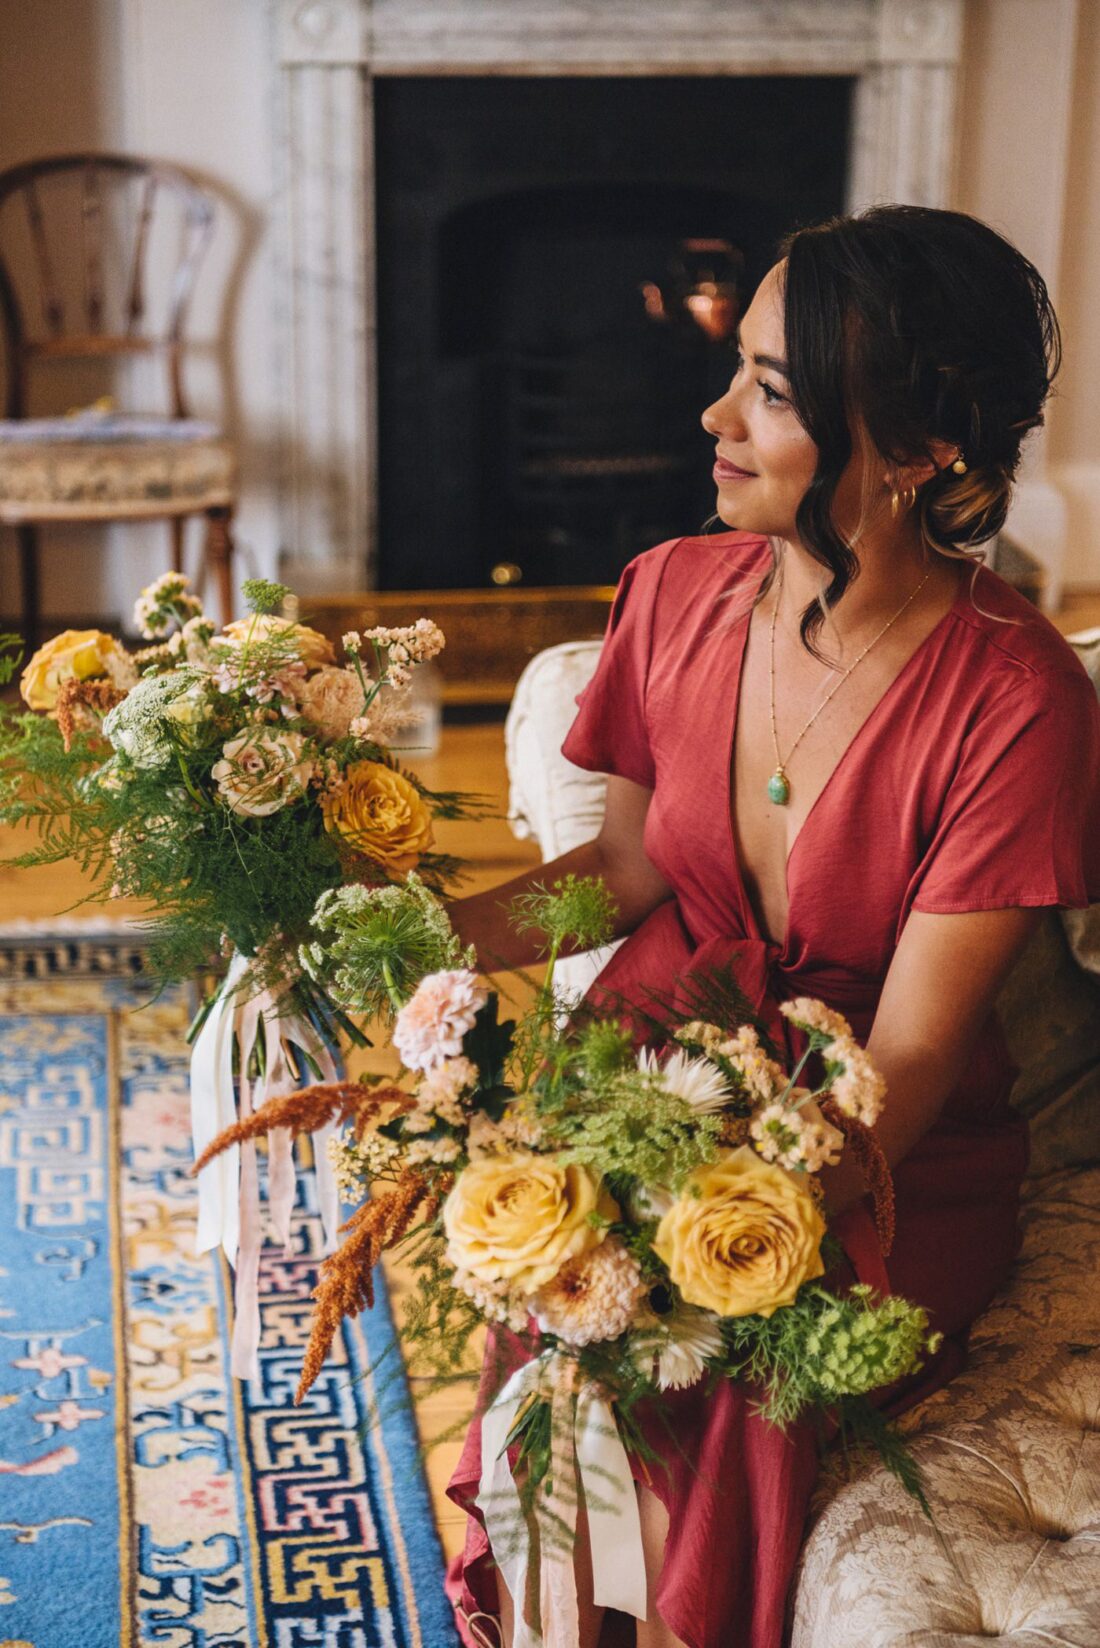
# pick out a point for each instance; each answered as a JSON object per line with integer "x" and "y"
{"x": 779, "y": 785}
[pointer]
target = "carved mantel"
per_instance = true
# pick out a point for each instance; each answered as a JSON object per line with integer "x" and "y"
{"x": 904, "y": 54}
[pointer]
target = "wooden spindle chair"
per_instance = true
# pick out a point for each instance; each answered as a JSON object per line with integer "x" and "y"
{"x": 58, "y": 305}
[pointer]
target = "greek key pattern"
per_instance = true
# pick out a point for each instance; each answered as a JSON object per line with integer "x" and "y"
{"x": 252, "y": 1523}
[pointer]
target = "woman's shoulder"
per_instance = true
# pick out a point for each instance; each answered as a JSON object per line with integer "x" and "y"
{"x": 694, "y": 566}
{"x": 1012, "y": 645}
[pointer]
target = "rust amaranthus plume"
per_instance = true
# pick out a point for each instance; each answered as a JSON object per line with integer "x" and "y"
{"x": 100, "y": 696}
{"x": 308, "y": 1109}
{"x": 346, "y": 1284}
{"x": 872, "y": 1164}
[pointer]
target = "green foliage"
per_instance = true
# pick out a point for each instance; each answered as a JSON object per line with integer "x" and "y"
{"x": 263, "y": 596}
{"x": 488, "y": 1043}
{"x": 440, "y": 1321}
{"x": 11, "y": 656}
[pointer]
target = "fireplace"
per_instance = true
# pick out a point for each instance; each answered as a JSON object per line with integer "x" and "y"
{"x": 390, "y": 469}
{"x": 543, "y": 246}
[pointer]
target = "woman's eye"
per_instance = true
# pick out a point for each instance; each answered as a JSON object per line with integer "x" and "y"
{"x": 772, "y": 396}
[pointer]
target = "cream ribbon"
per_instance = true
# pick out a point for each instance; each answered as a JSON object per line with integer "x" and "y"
{"x": 229, "y": 1194}
{"x": 585, "y": 1442}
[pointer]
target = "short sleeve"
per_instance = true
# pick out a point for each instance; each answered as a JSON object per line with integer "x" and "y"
{"x": 1020, "y": 823}
{"x": 610, "y": 734}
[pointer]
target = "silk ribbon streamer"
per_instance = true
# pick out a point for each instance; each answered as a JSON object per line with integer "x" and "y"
{"x": 585, "y": 1442}
{"x": 229, "y": 1199}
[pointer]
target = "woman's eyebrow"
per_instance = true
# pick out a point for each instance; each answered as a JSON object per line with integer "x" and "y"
{"x": 765, "y": 360}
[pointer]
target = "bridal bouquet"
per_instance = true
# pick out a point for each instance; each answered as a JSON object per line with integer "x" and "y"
{"x": 229, "y": 778}
{"x": 630, "y": 1223}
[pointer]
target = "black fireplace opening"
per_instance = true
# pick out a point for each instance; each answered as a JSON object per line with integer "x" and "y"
{"x": 561, "y": 264}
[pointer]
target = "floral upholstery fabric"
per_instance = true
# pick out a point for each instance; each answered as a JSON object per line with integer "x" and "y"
{"x": 1010, "y": 1452}
{"x": 65, "y": 473}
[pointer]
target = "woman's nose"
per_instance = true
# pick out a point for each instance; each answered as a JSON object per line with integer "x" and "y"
{"x": 723, "y": 417}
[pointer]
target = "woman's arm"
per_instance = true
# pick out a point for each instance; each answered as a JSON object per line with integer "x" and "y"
{"x": 617, "y": 854}
{"x": 942, "y": 983}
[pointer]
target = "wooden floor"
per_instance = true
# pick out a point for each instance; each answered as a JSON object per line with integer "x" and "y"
{"x": 472, "y": 758}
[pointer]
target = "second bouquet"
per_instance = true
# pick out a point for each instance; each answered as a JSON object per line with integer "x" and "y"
{"x": 228, "y": 779}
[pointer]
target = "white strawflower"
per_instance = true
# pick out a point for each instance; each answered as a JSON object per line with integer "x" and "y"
{"x": 810, "y": 1014}
{"x": 674, "y": 1350}
{"x": 595, "y": 1297}
{"x": 859, "y": 1090}
{"x": 695, "y": 1080}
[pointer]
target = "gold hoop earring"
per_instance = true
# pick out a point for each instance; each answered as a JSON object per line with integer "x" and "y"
{"x": 902, "y": 502}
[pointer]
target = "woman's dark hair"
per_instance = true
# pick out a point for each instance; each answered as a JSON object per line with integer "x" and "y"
{"x": 922, "y": 325}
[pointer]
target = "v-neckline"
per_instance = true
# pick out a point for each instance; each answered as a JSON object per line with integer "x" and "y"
{"x": 857, "y": 737}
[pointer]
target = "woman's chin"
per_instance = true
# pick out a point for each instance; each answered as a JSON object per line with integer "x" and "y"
{"x": 733, "y": 517}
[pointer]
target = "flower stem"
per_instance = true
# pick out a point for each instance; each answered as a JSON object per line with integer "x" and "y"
{"x": 392, "y": 991}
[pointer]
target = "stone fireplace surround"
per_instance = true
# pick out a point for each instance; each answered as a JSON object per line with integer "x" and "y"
{"x": 904, "y": 54}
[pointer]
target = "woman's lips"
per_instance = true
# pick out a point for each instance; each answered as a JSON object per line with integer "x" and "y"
{"x": 726, "y": 471}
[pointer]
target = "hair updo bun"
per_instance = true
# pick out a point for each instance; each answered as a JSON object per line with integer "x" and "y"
{"x": 923, "y": 326}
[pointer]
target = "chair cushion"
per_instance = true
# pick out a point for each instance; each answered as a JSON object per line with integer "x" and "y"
{"x": 107, "y": 467}
{"x": 1010, "y": 1453}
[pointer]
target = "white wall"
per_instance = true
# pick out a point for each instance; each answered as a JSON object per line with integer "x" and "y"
{"x": 190, "y": 81}
{"x": 186, "y": 81}
{"x": 1029, "y": 164}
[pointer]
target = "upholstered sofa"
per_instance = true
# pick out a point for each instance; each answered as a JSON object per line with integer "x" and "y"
{"x": 1010, "y": 1450}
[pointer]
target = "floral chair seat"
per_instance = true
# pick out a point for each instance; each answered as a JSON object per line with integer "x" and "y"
{"x": 81, "y": 468}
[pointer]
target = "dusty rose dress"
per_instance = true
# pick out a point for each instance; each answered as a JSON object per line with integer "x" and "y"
{"x": 973, "y": 785}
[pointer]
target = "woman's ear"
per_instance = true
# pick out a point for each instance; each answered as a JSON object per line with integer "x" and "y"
{"x": 943, "y": 453}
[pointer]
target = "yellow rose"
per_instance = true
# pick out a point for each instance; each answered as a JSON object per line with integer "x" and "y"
{"x": 380, "y": 814}
{"x": 742, "y": 1237}
{"x": 518, "y": 1218}
{"x": 312, "y": 647}
{"x": 74, "y": 655}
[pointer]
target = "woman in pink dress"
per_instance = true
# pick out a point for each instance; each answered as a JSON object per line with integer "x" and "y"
{"x": 858, "y": 767}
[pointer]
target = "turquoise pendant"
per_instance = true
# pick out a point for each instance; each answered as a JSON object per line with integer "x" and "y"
{"x": 779, "y": 790}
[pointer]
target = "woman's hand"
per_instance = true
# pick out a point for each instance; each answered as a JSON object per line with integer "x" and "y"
{"x": 942, "y": 984}
{"x": 617, "y": 855}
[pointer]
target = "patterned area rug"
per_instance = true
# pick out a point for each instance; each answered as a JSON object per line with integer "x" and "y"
{"x": 145, "y": 1498}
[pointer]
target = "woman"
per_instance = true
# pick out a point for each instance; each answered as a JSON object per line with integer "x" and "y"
{"x": 848, "y": 759}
